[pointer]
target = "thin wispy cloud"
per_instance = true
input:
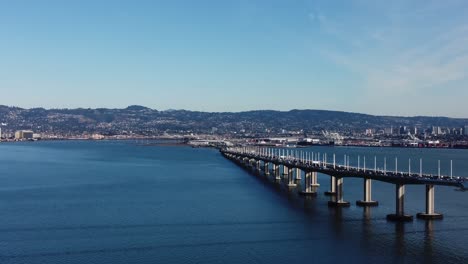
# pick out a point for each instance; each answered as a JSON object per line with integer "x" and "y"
{"x": 398, "y": 56}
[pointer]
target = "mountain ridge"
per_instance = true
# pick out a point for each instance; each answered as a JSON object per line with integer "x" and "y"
{"x": 144, "y": 120}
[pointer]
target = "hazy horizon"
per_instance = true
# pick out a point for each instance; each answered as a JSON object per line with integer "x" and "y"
{"x": 399, "y": 58}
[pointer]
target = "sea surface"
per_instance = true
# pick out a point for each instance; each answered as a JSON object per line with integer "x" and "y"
{"x": 126, "y": 202}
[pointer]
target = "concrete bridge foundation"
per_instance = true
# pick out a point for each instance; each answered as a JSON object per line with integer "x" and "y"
{"x": 298, "y": 174}
{"x": 367, "y": 201}
{"x": 285, "y": 171}
{"x": 276, "y": 172}
{"x": 266, "y": 168}
{"x": 314, "y": 181}
{"x": 291, "y": 182}
{"x": 338, "y": 201}
{"x": 429, "y": 214}
{"x": 332, "y": 186}
{"x": 399, "y": 214}
{"x": 308, "y": 185}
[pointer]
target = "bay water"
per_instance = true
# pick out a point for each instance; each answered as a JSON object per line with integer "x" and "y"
{"x": 128, "y": 202}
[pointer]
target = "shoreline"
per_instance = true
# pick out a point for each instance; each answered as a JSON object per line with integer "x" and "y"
{"x": 178, "y": 142}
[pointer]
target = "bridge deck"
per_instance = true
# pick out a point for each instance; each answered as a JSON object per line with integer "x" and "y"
{"x": 348, "y": 171}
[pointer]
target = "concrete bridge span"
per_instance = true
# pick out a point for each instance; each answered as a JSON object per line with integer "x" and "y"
{"x": 290, "y": 165}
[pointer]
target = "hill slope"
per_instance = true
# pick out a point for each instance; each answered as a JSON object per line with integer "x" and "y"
{"x": 144, "y": 120}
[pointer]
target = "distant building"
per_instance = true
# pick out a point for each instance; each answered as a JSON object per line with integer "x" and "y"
{"x": 436, "y": 130}
{"x": 389, "y": 130}
{"x": 97, "y": 136}
{"x": 466, "y": 131}
{"x": 403, "y": 130}
{"x": 24, "y": 134}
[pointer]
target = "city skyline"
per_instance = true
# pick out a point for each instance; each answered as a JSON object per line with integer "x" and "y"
{"x": 398, "y": 59}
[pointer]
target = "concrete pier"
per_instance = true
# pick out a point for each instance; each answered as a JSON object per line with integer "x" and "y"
{"x": 266, "y": 168}
{"x": 429, "y": 214}
{"x": 332, "y": 186}
{"x": 338, "y": 200}
{"x": 285, "y": 170}
{"x": 298, "y": 174}
{"x": 291, "y": 182}
{"x": 367, "y": 201}
{"x": 314, "y": 182}
{"x": 400, "y": 205}
{"x": 308, "y": 185}
{"x": 276, "y": 172}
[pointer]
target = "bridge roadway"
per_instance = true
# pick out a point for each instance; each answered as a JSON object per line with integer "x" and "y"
{"x": 295, "y": 163}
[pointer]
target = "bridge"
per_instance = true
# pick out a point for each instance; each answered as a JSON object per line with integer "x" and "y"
{"x": 290, "y": 165}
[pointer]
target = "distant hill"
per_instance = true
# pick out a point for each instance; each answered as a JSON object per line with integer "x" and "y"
{"x": 143, "y": 120}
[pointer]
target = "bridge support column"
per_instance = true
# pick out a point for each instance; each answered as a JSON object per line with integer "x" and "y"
{"x": 429, "y": 214}
{"x": 308, "y": 185}
{"x": 276, "y": 172}
{"x": 314, "y": 182}
{"x": 367, "y": 201}
{"x": 285, "y": 171}
{"x": 298, "y": 174}
{"x": 266, "y": 168}
{"x": 291, "y": 182}
{"x": 400, "y": 206}
{"x": 332, "y": 186}
{"x": 338, "y": 201}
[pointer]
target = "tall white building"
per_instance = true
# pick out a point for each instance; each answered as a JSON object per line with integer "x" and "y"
{"x": 436, "y": 130}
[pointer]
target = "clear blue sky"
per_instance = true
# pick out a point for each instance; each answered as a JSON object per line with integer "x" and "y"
{"x": 397, "y": 57}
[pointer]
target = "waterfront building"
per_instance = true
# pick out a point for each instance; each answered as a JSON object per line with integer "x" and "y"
{"x": 466, "y": 131}
{"x": 24, "y": 134}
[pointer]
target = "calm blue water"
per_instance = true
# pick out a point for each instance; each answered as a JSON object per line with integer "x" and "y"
{"x": 121, "y": 202}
